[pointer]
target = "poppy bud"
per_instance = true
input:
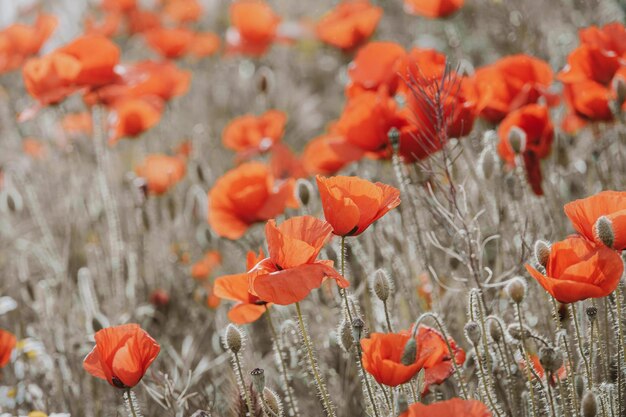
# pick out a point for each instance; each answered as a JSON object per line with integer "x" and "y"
{"x": 345, "y": 336}
{"x": 516, "y": 289}
{"x": 550, "y": 359}
{"x": 472, "y": 332}
{"x": 258, "y": 379}
{"x": 357, "y": 328}
{"x": 603, "y": 231}
{"x": 579, "y": 385}
{"x": 394, "y": 138}
{"x": 381, "y": 285}
{"x": 233, "y": 338}
{"x": 304, "y": 190}
{"x": 11, "y": 201}
{"x": 402, "y": 405}
{"x": 589, "y": 405}
{"x": 272, "y": 401}
{"x": 592, "y": 313}
{"x": 542, "y": 252}
{"x": 517, "y": 139}
{"x": 487, "y": 162}
{"x": 495, "y": 331}
{"x": 410, "y": 352}
{"x": 619, "y": 85}
{"x": 518, "y": 332}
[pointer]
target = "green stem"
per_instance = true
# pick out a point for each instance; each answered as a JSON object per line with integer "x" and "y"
{"x": 243, "y": 384}
{"x": 580, "y": 346}
{"x": 527, "y": 360}
{"x": 343, "y": 291}
{"x": 131, "y": 406}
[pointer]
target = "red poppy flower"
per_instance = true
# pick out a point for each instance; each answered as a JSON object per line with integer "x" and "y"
{"x": 130, "y": 117}
{"x": 327, "y": 154}
{"x": 382, "y": 354}
{"x": 183, "y": 11}
{"x": 352, "y": 204}
{"x": 251, "y": 133}
{"x": 561, "y": 373}
{"x": 202, "y": 269}
{"x": 161, "y": 172}
{"x": 509, "y": 84}
{"x": 432, "y": 8}
{"x": 376, "y": 65}
{"x": 285, "y": 164}
{"x": 142, "y": 21}
{"x": 123, "y": 6}
{"x": 254, "y": 27}
{"x": 610, "y": 38}
{"x": 107, "y": 27}
{"x": 19, "y": 41}
{"x": 534, "y": 121}
{"x": 7, "y": 344}
{"x": 86, "y": 62}
{"x": 170, "y": 42}
{"x": 424, "y": 66}
{"x": 122, "y": 355}
{"x": 455, "y": 407}
{"x": 246, "y": 195}
{"x": 579, "y": 269}
{"x": 585, "y": 212}
{"x": 291, "y": 271}
{"x": 349, "y": 24}
{"x": 236, "y": 288}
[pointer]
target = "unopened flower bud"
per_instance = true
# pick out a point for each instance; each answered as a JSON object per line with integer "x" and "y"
{"x": 495, "y": 331}
{"x": 542, "y": 252}
{"x": 487, "y": 162}
{"x": 589, "y": 405}
{"x": 603, "y": 231}
{"x": 258, "y": 379}
{"x": 579, "y": 385}
{"x": 517, "y": 139}
{"x": 518, "y": 332}
{"x": 619, "y": 86}
{"x": 381, "y": 285}
{"x": 516, "y": 289}
{"x": 304, "y": 190}
{"x": 357, "y": 328}
{"x": 550, "y": 359}
{"x": 592, "y": 313}
{"x": 472, "y": 332}
{"x": 233, "y": 338}
{"x": 345, "y": 336}
{"x": 410, "y": 352}
{"x": 272, "y": 401}
{"x": 394, "y": 138}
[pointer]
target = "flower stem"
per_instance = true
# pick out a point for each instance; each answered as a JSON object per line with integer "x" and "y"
{"x": 580, "y": 346}
{"x": 343, "y": 291}
{"x": 526, "y": 360}
{"x": 129, "y": 402}
{"x": 243, "y": 384}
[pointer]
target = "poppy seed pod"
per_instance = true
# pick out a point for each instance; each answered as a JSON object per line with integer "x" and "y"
{"x": 592, "y": 313}
{"x": 589, "y": 405}
{"x": 357, "y": 328}
{"x": 233, "y": 338}
{"x": 517, "y": 139}
{"x": 579, "y": 386}
{"x": 381, "y": 285}
{"x": 410, "y": 352}
{"x": 542, "y": 252}
{"x": 550, "y": 359}
{"x": 495, "y": 331}
{"x": 472, "y": 332}
{"x": 258, "y": 379}
{"x": 345, "y": 338}
{"x": 304, "y": 190}
{"x": 516, "y": 289}
{"x": 487, "y": 162}
{"x": 272, "y": 401}
{"x": 603, "y": 231}
{"x": 518, "y": 332}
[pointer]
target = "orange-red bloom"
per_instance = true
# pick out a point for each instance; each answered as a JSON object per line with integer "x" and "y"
{"x": 509, "y": 84}
{"x": 183, "y": 11}
{"x": 236, "y": 288}
{"x": 177, "y": 42}
{"x": 119, "y": 6}
{"x": 130, "y": 117}
{"x": 382, "y": 354}
{"x": 7, "y": 344}
{"x": 578, "y": 269}
{"x": 253, "y": 27}
{"x": 585, "y": 212}
{"x": 609, "y": 38}
{"x": 534, "y": 121}
{"x": 327, "y": 154}
{"x": 432, "y": 8}
{"x": 161, "y": 172}
{"x": 246, "y": 195}
{"x": 202, "y": 269}
{"x": 376, "y": 66}
{"x": 19, "y": 41}
{"x": 349, "y": 24}
{"x": 455, "y": 407}
{"x": 292, "y": 270}
{"x": 352, "y": 204}
{"x": 122, "y": 355}
{"x": 251, "y": 133}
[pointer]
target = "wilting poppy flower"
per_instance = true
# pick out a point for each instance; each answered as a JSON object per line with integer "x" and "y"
{"x": 19, "y": 41}
{"x": 349, "y": 24}
{"x": 291, "y": 271}
{"x": 534, "y": 122}
{"x": 382, "y": 354}
{"x": 376, "y": 65}
{"x": 7, "y": 344}
{"x": 183, "y": 11}
{"x": 130, "y": 117}
{"x": 253, "y": 27}
{"x": 254, "y": 133}
{"x": 236, "y": 288}
{"x": 432, "y": 8}
{"x": 327, "y": 154}
{"x": 455, "y": 407}
{"x": 509, "y": 84}
{"x": 161, "y": 172}
{"x": 122, "y": 355}
{"x": 86, "y": 62}
{"x": 352, "y": 204}
{"x": 584, "y": 214}
{"x": 202, "y": 269}
{"x": 578, "y": 269}
{"x": 246, "y": 195}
